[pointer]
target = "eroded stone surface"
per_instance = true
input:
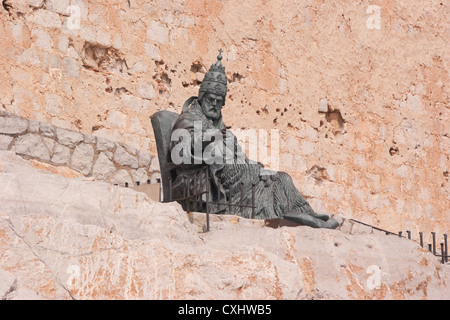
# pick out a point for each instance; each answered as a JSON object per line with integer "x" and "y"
{"x": 91, "y": 240}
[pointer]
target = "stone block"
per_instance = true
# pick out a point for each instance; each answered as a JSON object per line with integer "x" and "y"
{"x": 82, "y": 158}
{"x": 124, "y": 158}
{"x": 152, "y": 51}
{"x": 32, "y": 145}
{"x": 69, "y": 138}
{"x": 70, "y": 67}
{"x": 58, "y": 6}
{"x": 157, "y": 32}
{"x": 49, "y": 143}
{"x": 47, "y": 130}
{"x": 105, "y": 144}
{"x": 144, "y": 158}
{"x": 146, "y": 91}
{"x": 323, "y": 106}
{"x": 33, "y": 126}
{"x": 154, "y": 166}
{"x": 88, "y": 138}
{"x": 61, "y": 155}
{"x": 42, "y": 39}
{"x": 140, "y": 175}
{"x": 63, "y": 43}
{"x": 35, "y": 3}
{"x": 103, "y": 167}
{"x": 53, "y": 103}
{"x": 51, "y": 61}
{"x": 29, "y": 56}
{"x": 103, "y": 38}
{"x": 307, "y": 147}
{"x": 46, "y": 18}
{"x": 121, "y": 177}
{"x": 13, "y": 125}
{"x": 5, "y": 141}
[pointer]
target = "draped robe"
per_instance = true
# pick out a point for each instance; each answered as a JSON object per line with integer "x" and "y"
{"x": 274, "y": 192}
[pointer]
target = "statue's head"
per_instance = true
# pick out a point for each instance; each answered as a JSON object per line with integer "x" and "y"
{"x": 213, "y": 90}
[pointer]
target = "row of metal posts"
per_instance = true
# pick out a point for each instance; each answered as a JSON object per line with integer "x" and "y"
{"x": 431, "y": 246}
{"x": 187, "y": 197}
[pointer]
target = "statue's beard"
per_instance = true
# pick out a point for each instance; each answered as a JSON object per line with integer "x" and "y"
{"x": 211, "y": 112}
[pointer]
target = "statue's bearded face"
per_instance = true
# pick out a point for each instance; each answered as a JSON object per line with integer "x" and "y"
{"x": 212, "y": 105}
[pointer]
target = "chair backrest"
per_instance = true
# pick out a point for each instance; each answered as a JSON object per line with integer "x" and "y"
{"x": 162, "y": 122}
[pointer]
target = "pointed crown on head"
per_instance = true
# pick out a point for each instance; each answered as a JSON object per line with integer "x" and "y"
{"x": 215, "y": 80}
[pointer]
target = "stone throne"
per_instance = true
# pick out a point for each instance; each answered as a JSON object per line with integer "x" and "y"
{"x": 162, "y": 122}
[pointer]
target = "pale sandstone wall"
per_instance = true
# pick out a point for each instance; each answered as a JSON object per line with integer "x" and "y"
{"x": 87, "y": 155}
{"x": 362, "y": 113}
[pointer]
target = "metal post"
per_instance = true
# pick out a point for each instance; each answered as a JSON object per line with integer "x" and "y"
{"x": 195, "y": 192}
{"x": 207, "y": 199}
{"x": 434, "y": 242}
{"x": 421, "y": 239}
{"x": 170, "y": 189}
{"x": 160, "y": 184}
{"x": 400, "y": 234}
{"x": 442, "y": 253}
{"x": 188, "y": 197}
{"x": 430, "y": 248}
{"x": 229, "y": 199}
{"x": 445, "y": 248}
{"x": 218, "y": 195}
{"x": 200, "y": 187}
{"x": 126, "y": 184}
{"x": 138, "y": 183}
{"x": 148, "y": 181}
{"x": 242, "y": 198}
{"x": 183, "y": 183}
{"x": 253, "y": 200}
{"x": 409, "y": 234}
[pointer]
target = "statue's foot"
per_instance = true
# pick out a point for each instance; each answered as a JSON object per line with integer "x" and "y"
{"x": 312, "y": 220}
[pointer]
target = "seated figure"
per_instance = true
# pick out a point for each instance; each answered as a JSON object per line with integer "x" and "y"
{"x": 200, "y": 139}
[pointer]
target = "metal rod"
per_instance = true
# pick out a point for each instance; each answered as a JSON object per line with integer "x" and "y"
{"x": 379, "y": 229}
{"x": 229, "y": 199}
{"x": 200, "y": 187}
{"x": 430, "y": 248}
{"x": 170, "y": 189}
{"x": 188, "y": 200}
{"x": 227, "y": 204}
{"x": 242, "y": 198}
{"x": 183, "y": 180}
{"x": 195, "y": 192}
{"x": 434, "y": 242}
{"x": 400, "y": 234}
{"x": 409, "y": 234}
{"x": 421, "y": 239}
{"x": 160, "y": 185}
{"x": 253, "y": 200}
{"x": 442, "y": 253}
{"x": 445, "y": 248}
{"x": 207, "y": 199}
{"x": 219, "y": 185}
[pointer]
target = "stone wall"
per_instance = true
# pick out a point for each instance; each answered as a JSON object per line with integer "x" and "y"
{"x": 89, "y": 155}
{"x": 361, "y": 99}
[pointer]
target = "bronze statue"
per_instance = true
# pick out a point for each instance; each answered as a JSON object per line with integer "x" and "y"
{"x": 200, "y": 138}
